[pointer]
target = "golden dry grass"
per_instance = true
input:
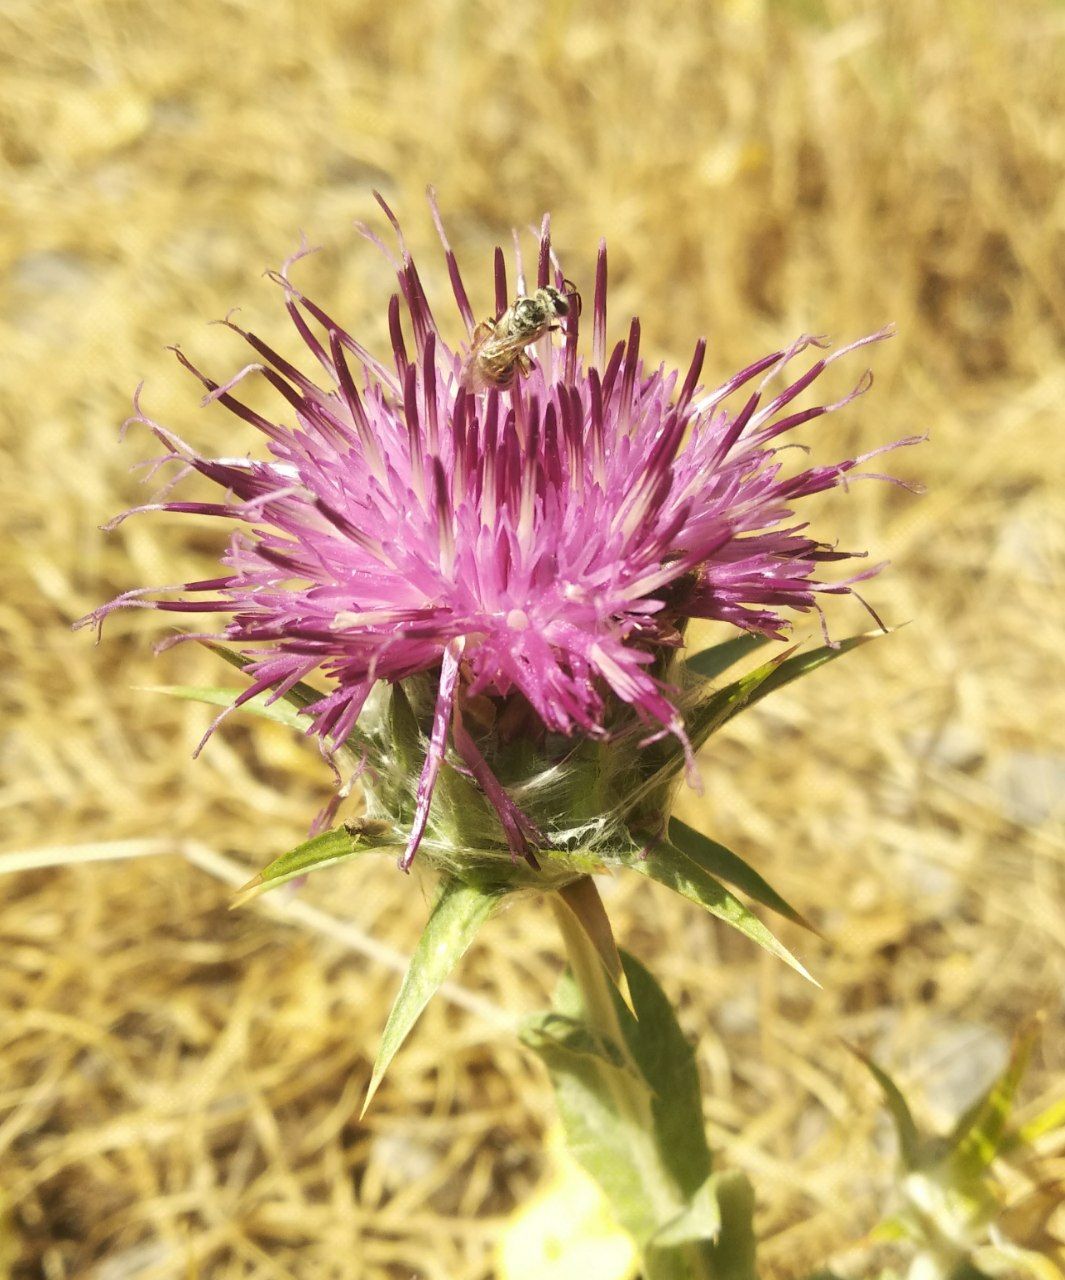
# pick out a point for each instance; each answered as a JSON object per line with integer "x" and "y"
{"x": 179, "y": 1085}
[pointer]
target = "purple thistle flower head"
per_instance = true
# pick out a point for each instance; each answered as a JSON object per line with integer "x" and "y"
{"x": 511, "y": 533}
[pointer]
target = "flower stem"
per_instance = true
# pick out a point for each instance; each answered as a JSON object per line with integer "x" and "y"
{"x": 596, "y": 968}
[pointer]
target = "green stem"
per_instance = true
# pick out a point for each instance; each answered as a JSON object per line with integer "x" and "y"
{"x": 585, "y": 954}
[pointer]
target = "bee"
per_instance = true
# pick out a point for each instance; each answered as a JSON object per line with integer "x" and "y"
{"x": 498, "y": 355}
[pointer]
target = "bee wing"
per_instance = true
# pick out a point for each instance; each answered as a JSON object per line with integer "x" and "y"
{"x": 510, "y": 346}
{"x": 471, "y": 377}
{"x": 492, "y": 358}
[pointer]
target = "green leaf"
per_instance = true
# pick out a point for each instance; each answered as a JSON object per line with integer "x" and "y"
{"x": 711, "y": 662}
{"x": 751, "y": 688}
{"x": 605, "y": 1108}
{"x": 715, "y": 709}
{"x": 666, "y": 1060}
{"x": 460, "y": 911}
{"x": 710, "y": 714}
{"x": 299, "y": 696}
{"x": 669, "y": 866}
{"x": 977, "y": 1137}
{"x": 627, "y": 1090}
{"x": 718, "y": 861}
{"x": 700, "y": 1220}
{"x": 781, "y": 673}
{"x": 905, "y": 1127}
{"x": 352, "y": 840}
{"x": 582, "y": 898}
{"x": 216, "y": 696}
{"x": 632, "y": 1113}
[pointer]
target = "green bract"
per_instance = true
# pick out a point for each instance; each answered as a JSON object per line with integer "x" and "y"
{"x": 599, "y": 806}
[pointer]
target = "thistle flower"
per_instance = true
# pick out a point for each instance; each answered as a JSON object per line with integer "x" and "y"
{"x": 534, "y": 551}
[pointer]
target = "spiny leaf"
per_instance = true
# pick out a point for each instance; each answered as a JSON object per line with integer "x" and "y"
{"x": 582, "y": 898}
{"x": 718, "y": 861}
{"x": 779, "y": 671}
{"x": 299, "y": 696}
{"x": 978, "y": 1135}
{"x": 784, "y": 672}
{"x": 350, "y": 841}
{"x": 460, "y": 911}
{"x": 671, "y": 867}
{"x": 710, "y": 714}
{"x": 711, "y": 662}
{"x": 663, "y": 758}
{"x": 905, "y": 1127}
{"x": 217, "y": 696}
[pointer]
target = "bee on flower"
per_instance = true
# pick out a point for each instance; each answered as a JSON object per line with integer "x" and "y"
{"x": 498, "y": 354}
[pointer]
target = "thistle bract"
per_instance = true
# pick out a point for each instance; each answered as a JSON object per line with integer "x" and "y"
{"x": 487, "y": 587}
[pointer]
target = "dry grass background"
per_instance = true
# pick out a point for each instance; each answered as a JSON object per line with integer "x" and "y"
{"x": 179, "y": 1085}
